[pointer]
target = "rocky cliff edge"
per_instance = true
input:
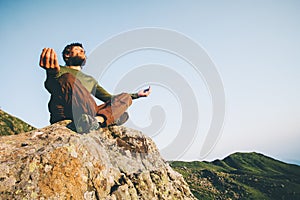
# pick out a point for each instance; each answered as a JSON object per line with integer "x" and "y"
{"x": 110, "y": 163}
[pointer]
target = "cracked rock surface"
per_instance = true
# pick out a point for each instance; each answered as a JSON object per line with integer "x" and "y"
{"x": 110, "y": 163}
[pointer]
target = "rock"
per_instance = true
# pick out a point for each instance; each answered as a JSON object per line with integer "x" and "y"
{"x": 110, "y": 163}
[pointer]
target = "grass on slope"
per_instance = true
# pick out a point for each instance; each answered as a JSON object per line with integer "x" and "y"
{"x": 10, "y": 125}
{"x": 241, "y": 176}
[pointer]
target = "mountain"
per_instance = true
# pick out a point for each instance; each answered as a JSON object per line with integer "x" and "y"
{"x": 241, "y": 176}
{"x": 10, "y": 125}
{"x": 121, "y": 163}
{"x": 110, "y": 163}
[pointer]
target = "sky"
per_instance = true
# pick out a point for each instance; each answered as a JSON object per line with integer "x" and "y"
{"x": 253, "y": 46}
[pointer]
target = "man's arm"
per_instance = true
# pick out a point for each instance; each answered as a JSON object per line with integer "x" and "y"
{"x": 49, "y": 62}
{"x": 104, "y": 96}
{"x": 141, "y": 93}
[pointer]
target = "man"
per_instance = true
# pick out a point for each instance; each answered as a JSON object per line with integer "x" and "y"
{"x": 71, "y": 91}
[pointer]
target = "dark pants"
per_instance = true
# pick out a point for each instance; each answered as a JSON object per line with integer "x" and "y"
{"x": 70, "y": 99}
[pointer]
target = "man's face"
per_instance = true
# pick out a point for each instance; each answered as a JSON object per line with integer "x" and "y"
{"x": 76, "y": 56}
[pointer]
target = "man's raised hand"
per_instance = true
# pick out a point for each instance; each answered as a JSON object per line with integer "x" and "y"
{"x": 48, "y": 60}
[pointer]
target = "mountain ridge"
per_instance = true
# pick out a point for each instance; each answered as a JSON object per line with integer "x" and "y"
{"x": 10, "y": 125}
{"x": 241, "y": 176}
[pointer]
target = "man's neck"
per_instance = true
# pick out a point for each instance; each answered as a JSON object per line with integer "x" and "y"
{"x": 75, "y": 67}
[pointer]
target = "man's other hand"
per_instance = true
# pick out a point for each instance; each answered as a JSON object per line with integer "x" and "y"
{"x": 145, "y": 92}
{"x": 48, "y": 60}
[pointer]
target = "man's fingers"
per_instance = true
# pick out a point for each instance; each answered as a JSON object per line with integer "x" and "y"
{"x": 52, "y": 57}
{"x": 48, "y": 59}
{"x": 45, "y": 57}
{"x": 42, "y": 64}
{"x": 150, "y": 90}
{"x": 144, "y": 93}
{"x": 56, "y": 62}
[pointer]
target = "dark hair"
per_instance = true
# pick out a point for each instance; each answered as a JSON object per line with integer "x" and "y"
{"x": 68, "y": 48}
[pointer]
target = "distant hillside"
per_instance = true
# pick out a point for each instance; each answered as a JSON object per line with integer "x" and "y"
{"x": 241, "y": 176}
{"x": 10, "y": 125}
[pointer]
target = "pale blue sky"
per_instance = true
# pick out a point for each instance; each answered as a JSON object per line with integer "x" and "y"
{"x": 255, "y": 46}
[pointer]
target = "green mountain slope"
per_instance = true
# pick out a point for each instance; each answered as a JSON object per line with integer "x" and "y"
{"x": 241, "y": 176}
{"x": 10, "y": 125}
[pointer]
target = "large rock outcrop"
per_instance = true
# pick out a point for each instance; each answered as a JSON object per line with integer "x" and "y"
{"x": 111, "y": 163}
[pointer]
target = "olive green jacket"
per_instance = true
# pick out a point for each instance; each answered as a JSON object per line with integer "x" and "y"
{"x": 87, "y": 81}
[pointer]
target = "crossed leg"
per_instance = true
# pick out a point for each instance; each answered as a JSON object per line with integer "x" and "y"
{"x": 70, "y": 99}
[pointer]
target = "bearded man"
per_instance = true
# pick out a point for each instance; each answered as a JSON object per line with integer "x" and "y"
{"x": 71, "y": 92}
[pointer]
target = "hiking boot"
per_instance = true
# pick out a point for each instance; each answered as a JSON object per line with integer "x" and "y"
{"x": 122, "y": 119}
{"x": 86, "y": 123}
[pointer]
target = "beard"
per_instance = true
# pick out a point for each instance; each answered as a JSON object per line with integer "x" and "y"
{"x": 76, "y": 61}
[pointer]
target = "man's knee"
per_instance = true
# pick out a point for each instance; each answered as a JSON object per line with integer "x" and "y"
{"x": 123, "y": 98}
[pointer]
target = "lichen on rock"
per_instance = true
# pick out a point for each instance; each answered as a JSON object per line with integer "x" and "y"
{"x": 110, "y": 163}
